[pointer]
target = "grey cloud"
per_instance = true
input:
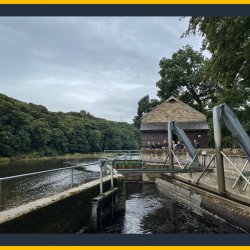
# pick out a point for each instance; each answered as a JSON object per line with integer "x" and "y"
{"x": 103, "y": 65}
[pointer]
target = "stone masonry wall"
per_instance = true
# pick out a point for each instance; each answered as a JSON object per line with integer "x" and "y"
{"x": 177, "y": 111}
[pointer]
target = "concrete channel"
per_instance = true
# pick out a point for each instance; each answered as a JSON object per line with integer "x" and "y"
{"x": 81, "y": 209}
{"x": 232, "y": 206}
{"x": 69, "y": 211}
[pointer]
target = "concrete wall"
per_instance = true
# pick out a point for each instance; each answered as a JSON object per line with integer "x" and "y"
{"x": 151, "y": 177}
{"x": 237, "y": 157}
{"x": 131, "y": 177}
{"x": 234, "y": 213}
{"x": 209, "y": 180}
{"x": 65, "y": 212}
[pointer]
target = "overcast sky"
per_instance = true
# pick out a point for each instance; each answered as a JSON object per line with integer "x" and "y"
{"x": 103, "y": 65}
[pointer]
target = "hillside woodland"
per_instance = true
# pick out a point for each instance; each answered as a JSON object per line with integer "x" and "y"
{"x": 27, "y": 128}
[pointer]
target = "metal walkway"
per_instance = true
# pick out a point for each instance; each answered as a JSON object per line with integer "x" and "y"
{"x": 167, "y": 162}
{"x": 176, "y": 171}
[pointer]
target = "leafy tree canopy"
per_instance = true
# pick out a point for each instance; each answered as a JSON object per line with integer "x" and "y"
{"x": 182, "y": 76}
{"x": 228, "y": 41}
{"x": 145, "y": 105}
{"x": 27, "y": 128}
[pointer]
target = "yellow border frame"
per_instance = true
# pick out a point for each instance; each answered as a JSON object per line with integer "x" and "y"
{"x": 124, "y": 2}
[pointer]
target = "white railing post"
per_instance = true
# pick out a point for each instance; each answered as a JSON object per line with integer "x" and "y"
{"x": 111, "y": 169}
{"x": 72, "y": 169}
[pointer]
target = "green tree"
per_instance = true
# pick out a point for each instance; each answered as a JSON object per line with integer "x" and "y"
{"x": 23, "y": 138}
{"x": 182, "y": 76}
{"x": 7, "y": 143}
{"x": 25, "y": 128}
{"x": 77, "y": 135}
{"x": 58, "y": 141}
{"x": 228, "y": 41}
{"x": 145, "y": 105}
{"x": 94, "y": 138}
{"x": 41, "y": 134}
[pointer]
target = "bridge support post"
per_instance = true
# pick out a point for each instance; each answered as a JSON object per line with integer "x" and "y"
{"x": 94, "y": 215}
{"x": 101, "y": 166}
{"x": 116, "y": 202}
{"x": 111, "y": 170}
{"x": 72, "y": 169}
{"x": 170, "y": 147}
{"x": 218, "y": 148}
{"x": 142, "y": 161}
{"x": 105, "y": 169}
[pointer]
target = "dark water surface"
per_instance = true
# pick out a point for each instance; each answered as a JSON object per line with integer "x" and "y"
{"x": 152, "y": 209}
{"x": 18, "y": 191}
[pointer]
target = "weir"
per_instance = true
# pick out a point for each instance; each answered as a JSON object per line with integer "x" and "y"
{"x": 224, "y": 192}
{"x": 78, "y": 208}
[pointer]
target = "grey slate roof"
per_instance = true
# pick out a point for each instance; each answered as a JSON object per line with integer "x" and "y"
{"x": 169, "y": 100}
{"x": 199, "y": 125}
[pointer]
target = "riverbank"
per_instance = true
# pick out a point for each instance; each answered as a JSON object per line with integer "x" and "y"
{"x": 36, "y": 156}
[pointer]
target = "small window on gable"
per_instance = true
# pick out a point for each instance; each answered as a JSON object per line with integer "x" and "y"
{"x": 172, "y": 100}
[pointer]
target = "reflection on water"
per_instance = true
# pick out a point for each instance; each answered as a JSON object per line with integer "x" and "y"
{"x": 152, "y": 209}
{"x": 21, "y": 190}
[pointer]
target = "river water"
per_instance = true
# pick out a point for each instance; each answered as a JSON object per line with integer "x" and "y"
{"x": 21, "y": 190}
{"x": 150, "y": 209}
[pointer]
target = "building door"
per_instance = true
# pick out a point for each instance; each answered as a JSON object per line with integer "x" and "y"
{"x": 175, "y": 138}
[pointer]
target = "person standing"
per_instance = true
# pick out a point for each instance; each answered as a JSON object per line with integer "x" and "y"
{"x": 196, "y": 144}
{"x": 165, "y": 144}
{"x": 179, "y": 145}
{"x": 148, "y": 146}
{"x": 159, "y": 145}
{"x": 173, "y": 142}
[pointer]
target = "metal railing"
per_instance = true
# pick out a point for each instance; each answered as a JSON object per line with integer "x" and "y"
{"x": 116, "y": 155}
{"x": 122, "y": 154}
{"x": 241, "y": 174}
{"x": 102, "y": 164}
{"x": 42, "y": 172}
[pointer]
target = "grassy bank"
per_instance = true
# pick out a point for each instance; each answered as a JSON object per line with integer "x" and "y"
{"x": 4, "y": 159}
{"x": 37, "y": 156}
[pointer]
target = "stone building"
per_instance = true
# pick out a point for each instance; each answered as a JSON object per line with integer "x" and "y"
{"x": 154, "y": 125}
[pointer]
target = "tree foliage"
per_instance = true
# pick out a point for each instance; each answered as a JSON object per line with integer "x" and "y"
{"x": 26, "y": 128}
{"x": 204, "y": 84}
{"x": 228, "y": 41}
{"x": 182, "y": 76}
{"x": 145, "y": 105}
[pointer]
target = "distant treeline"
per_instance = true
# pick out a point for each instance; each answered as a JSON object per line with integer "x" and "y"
{"x": 27, "y": 128}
